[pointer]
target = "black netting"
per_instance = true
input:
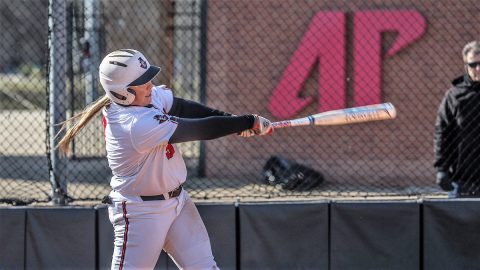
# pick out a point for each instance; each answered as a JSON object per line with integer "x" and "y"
{"x": 23, "y": 160}
{"x": 278, "y": 59}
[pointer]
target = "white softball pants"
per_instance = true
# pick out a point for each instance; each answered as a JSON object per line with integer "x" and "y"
{"x": 143, "y": 229}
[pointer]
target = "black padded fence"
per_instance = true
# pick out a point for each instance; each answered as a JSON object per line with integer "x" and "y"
{"x": 278, "y": 59}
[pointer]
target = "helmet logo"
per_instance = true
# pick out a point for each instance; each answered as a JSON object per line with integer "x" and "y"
{"x": 143, "y": 63}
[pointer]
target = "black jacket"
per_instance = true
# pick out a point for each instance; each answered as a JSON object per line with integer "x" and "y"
{"x": 457, "y": 133}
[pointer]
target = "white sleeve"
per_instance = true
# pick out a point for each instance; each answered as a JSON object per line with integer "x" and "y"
{"x": 162, "y": 97}
{"x": 152, "y": 129}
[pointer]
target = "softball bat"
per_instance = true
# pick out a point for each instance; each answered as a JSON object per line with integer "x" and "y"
{"x": 369, "y": 113}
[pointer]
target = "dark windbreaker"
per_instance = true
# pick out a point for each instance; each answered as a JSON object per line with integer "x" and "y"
{"x": 457, "y": 134}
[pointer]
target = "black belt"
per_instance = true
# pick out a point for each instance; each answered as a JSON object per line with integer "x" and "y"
{"x": 171, "y": 194}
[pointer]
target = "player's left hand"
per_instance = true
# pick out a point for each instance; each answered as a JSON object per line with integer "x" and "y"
{"x": 246, "y": 133}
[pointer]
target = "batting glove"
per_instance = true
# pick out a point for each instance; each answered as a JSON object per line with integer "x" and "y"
{"x": 262, "y": 126}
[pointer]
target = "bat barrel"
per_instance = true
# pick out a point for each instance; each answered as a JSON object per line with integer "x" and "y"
{"x": 370, "y": 113}
{"x": 353, "y": 115}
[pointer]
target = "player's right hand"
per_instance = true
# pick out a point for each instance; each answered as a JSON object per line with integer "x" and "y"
{"x": 262, "y": 126}
{"x": 247, "y": 133}
{"x": 444, "y": 181}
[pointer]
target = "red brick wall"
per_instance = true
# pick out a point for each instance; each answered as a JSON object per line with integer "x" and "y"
{"x": 249, "y": 46}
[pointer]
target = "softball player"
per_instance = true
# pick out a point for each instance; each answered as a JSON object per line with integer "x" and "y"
{"x": 148, "y": 207}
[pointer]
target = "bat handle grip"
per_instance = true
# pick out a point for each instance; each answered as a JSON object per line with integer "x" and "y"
{"x": 281, "y": 124}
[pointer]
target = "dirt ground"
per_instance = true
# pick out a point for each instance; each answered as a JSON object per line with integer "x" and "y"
{"x": 212, "y": 191}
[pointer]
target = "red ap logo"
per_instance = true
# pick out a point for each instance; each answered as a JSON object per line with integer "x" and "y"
{"x": 325, "y": 42}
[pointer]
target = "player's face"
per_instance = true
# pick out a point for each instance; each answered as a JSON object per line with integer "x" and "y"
{"x": 472, "y": 65}
{"x": 143, "y": 94}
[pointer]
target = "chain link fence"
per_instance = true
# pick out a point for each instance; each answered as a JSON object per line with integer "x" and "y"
{"x": 278, "y": 59}
{"x": 24, "y": 167}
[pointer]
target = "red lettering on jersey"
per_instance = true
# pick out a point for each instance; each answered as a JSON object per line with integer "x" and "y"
{"x": 169, "y": 151}
{"x": 104, "y": 120}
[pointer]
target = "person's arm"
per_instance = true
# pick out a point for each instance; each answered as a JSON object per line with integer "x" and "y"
{"x": 444, "y": 148}
{"x": 190, "y": 109}
{"x": 213, "y": 127}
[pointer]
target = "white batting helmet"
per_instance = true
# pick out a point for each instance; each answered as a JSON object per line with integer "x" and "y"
{"x": 121, "y": 69}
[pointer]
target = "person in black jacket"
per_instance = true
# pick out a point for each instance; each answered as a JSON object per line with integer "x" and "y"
{"x": 457, "y": 130}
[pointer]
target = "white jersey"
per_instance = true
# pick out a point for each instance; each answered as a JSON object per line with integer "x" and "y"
{"x": 138, "y": 152}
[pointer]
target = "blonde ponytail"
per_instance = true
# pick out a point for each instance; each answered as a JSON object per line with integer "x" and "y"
{"x": 83, "y": 118}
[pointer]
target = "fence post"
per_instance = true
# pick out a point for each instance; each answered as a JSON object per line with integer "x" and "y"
{"x": 57, "y": 87}
{"x": 203, "y": 79}
{"x": 91, "y": 48}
